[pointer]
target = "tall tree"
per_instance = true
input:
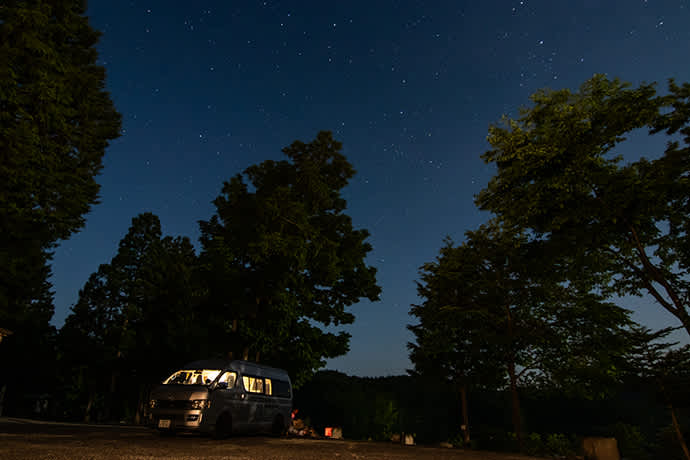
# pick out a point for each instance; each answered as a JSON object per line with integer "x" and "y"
{"x": 495, "y": 310}
{"x": 452, "y": 343}
{"x": 55, "y": 123}
{"x": 560, "y": 176}
{"x": 283, "y": 260}
{"x": 143, "y": 300}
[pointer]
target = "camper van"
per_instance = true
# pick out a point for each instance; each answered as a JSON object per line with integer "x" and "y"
{"x": 222, "y": 397}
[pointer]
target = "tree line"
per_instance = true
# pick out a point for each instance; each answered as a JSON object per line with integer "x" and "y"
{"x": 527, "y": 300}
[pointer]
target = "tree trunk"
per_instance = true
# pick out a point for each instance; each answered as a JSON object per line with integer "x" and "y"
{"x": 674, "y": 420}
{"x": 257, "y": 356}
{"x": 517, "y": 422}
{"x": 143, "y": 399}
{"x": 89, "y": 406}
{"x": 465, "y": 417}
{"x": 679, "y": 432}
{"x": 245, "y": 353}
{"x": 111, "y": 414}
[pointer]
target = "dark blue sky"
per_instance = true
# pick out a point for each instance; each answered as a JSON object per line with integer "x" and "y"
{"x": 207, "y": 88}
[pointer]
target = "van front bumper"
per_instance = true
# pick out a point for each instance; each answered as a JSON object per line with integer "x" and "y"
{"x": 176, "y": 420}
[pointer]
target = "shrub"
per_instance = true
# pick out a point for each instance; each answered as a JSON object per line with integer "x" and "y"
{"x": 533, "y": 444}
{"x": 559, "y": 445}
{"x": 631, "y": 442}
{"x": 458, "y": 441}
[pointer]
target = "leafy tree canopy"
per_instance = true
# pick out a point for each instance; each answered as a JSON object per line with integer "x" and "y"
{"x": 560, "y": 178}
{"x": 283, "y": 260}
{"x": 55, "y": 122}
{"x": 450, "y": 342}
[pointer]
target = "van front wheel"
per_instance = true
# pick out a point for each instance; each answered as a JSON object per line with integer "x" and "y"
{"x": 223, "y": 426}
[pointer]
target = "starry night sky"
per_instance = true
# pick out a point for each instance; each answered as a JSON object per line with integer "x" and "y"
{"x": 207, "y": 88}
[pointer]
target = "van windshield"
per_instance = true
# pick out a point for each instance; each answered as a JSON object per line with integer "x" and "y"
{"x": 192, "y": 377}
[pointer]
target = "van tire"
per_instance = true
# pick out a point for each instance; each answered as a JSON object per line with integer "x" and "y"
{"x": 223, "y": 428}
{"x": 278, "y": 426}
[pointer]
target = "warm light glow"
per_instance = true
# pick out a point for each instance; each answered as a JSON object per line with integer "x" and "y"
{"x": 253, "y": 384}
{"x": 192, "y": 377}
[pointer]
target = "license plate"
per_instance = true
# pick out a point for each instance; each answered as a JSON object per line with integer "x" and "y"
{"x": 163, "y": 423}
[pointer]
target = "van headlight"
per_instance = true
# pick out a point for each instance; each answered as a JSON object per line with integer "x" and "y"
{"x": 201, "y": 404}
{"x": 152, "y": 404}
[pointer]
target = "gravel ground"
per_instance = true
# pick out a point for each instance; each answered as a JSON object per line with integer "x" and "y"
{"x": 26, "y": 439}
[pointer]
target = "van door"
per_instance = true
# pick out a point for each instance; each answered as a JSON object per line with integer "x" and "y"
{"x": 254, "y": 386}
{"x": 224, "y": 399}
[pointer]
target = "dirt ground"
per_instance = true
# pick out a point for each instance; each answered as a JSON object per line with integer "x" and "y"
{"x": 26, "y": 439}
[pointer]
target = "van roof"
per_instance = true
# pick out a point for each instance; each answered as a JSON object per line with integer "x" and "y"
{"x": 207, "y": 364}
{"x": 258, "y": 369}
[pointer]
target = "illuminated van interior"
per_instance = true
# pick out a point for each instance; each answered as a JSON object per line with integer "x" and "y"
{"x": 200, "y": 377}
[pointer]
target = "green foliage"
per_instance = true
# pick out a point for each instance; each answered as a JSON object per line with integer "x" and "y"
{"x": 534, "y": 444}
{"x": 491, "y": 315}
{"x": 458, "y": 440}
{"x": 386, "y": 417}
{"x": 430, "y": 408}
{"x": 452, "y": 342}
{"x": 561, "y": 178}
{"x": 560, "y": 445}
{"x": 652, "y": 361}
{"x": 282, "y": 259}
{"x": 55, "y": 123}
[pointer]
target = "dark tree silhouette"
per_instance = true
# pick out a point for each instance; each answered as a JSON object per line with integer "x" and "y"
{"x": 55, "y": 123}
{"x": 134, "y": 321}
{"x": 283, "y": 260}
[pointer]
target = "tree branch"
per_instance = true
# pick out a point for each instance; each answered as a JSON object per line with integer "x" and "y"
{"x": 647, "y": 284}
{"x": 679, "y": 310}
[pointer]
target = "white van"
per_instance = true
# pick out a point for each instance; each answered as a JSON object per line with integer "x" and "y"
{"x": 222, "y": 397}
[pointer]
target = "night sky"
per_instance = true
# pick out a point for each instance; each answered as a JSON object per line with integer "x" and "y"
{"x": 207, "y": 88}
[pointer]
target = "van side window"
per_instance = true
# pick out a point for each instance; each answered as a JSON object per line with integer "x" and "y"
{"x": 229, "y": 378}
{"x": 281, "y": 389}
{"x": 253, "y": 384}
